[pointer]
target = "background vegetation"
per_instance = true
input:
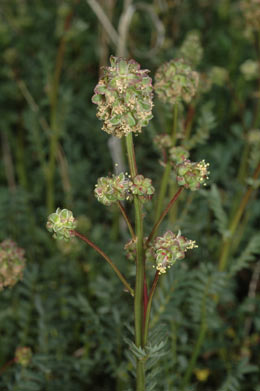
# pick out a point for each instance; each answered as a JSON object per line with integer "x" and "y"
{"x": 69, "y": 307}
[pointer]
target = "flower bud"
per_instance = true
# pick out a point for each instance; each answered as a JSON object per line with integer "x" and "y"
{"x": 12, "y": 263}
{"x": 112, "y": 189}
{"x": 162, "y": 141}
{"x": 167, "y": 249}
{"x": 61, "y": 223}
{"x": 192, "y": 175}
{"x": 178, "y": 154}
{"x": 218, "y": 76}
{"x": 23, "y": 356}
{"x": 142, "y": 187}
{"x": 176, "y": 81}
{"x": 124, "y": 97}
{"x": 191, "y": 49}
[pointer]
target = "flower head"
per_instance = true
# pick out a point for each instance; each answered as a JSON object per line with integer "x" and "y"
{"x": 167, "y": 249}
{"x": 23, "y": 355}
{"x": 112, "y": 189}
{"x": 142, "y": 187}
{"x": 251, "y": 12}
{"x": 176, "y": 81}
{"x": 124, "y": 97}
{"x": 191, "y": 49}
{"x": 12, "y": 263}
{"x": 192, "y": 175}
{"x": 61, "y": 223}
{"x": 178, "y": 154}
{"x": 250, "y": 69}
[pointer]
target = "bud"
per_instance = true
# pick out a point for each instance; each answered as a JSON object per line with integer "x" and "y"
{"x": 167, "y": 249}
{"x": 191, "y": 49}
{"x": 124, "y": 97}
{"x": 142, "y": 187}
{"x": 176, "y": 81}
{"x": 178, "y": 154}
{"x": 192, "y": 175}
{"x": 112, "y": 189}
{"x": 250, "y": 69}
{"x": 61, "y": 223}
{"x": 23, "y": 356}
{"x": 12, "y": 263}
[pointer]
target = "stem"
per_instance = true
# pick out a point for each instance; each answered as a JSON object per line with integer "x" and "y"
{"x": 174, "y": 126}
{"x": 149, "y": 304}
{"x": 167, "y": 170}
{"x": 162, "y": 191}
{"x": 6, "y": 365}
{"x": 54, "y": 137}
{"x": 139, "y": 282}
{"x": 126, "y": 219}
{"x": 106, "y": 257}
{"x": 235, "y": 221}
{"x": 164, "y": 213}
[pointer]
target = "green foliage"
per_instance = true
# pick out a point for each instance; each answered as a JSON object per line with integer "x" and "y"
{"x": 69, "y": 308}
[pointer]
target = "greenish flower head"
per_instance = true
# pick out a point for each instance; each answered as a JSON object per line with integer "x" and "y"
{"x": 112, "y": 189}
{"x": 162, "y": 141}
{"x": 61, "y": 223}
{"x": 191, "y": 49}
{"x": 175, "y": 81}
{"x": 167, "y": 249}
{"x": 142, "y": 187}
{"x": 192, "y": 175}
{"x": 124, "y": 97}
{"x": 23, "y": 356}
{"x": 251, "y": 13}
{"x": 178, "y": 155}
{"x": 218, "y": 76}
{"x": 250, "y": 69}
{"x": 12, "y": 263}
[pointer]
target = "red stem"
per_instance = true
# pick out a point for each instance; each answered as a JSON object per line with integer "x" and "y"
{"x": 164, "y": 213}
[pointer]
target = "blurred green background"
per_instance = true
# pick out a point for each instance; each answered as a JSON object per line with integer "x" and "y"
{"x": 69, "y": 308}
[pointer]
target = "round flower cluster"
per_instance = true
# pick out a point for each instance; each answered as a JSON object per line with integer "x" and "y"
{"x": 61, "y": 223}
{"x": 167, "y": 249}
{"x": 142, "y": 187}
{"x": 162, "y": 141}
{"x": 250, "y": 69}
{"x": 124, "y": 97}
{"x": 218, "y": 75}
{"x": 164, "y": 250}
{"x": 192, "y": 175}
{"x": 12, "y": 263}
{"x": 112, "y": 189}
{"x": 176, "y": 81}
{"x": 119, "y": 188}
{"x": 251, "y": 11}
{"x": 178, "y": 155}
{"x": 23, "y": 356}
{"x": 191, "y": 49}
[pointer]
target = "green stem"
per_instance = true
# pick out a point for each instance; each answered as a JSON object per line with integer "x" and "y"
{"x": 149, "y": 304}
{"x": 167, "y": 170}
{"x": 174, "y": 125}
{"x": 234, "y": 223}
{"x": 164, "y": 213}
{"x": 139, "y": 282}
{"x": 123, "y": 211}
{"x": 54, "y": 137}
{"x": 162, "y": 191}
{"x": 106, "y": 257}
